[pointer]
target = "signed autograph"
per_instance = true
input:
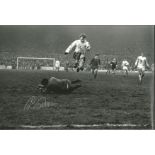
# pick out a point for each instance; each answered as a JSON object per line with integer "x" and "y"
{"x": 36, "y": 102}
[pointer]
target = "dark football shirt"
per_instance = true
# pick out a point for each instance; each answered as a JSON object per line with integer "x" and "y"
{"x": 113, "y": 64}
{"x": 95, "y": 63}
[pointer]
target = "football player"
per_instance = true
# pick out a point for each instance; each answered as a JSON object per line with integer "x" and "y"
{"x": 141, "y": 64}
{"x": 113, "y": 64}
{"x": 79, "y": 47}
{"x": 125, "y": 66}
{"x": 53, "y": 84}
{"x": 94, "y": 65}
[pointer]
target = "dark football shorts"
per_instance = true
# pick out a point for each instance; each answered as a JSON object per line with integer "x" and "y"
{"x": 76, "y": 56}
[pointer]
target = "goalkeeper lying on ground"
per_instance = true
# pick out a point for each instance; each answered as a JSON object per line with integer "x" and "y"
{"x": 58, "y": 85}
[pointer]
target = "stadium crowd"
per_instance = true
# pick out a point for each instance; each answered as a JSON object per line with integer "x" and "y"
{"x": 11, "y": 60}
{"x": 33, "y": 63}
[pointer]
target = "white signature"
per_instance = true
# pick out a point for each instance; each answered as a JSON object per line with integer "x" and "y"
{"x": 36, "y": 102}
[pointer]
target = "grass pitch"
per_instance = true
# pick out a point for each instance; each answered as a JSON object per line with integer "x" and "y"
{"x": 108, "y": 102}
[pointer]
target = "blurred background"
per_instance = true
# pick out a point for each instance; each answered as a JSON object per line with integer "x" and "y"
{"x": 120, "y": 41}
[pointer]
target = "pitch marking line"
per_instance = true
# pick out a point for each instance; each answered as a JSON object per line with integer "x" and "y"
{"x": 82, "y": 126}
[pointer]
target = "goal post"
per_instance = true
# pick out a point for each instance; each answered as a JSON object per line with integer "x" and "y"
{"x": 35, "y": 63}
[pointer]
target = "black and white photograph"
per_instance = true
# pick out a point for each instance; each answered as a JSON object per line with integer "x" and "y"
{"x": 73, "y": 77}
{"x": 77, "y": 77}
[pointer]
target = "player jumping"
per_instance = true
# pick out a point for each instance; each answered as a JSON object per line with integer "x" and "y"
{"x": 94, "y": 64}
{"x": 80, "y": 47}
{"x": 141, "y": 64}
{"x": 125, "y": 66}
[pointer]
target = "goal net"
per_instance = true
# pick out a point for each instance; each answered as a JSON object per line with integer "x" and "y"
{"x": 34, "y": 63}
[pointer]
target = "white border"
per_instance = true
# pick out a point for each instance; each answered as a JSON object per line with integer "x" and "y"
{"x": 71, "y": 142}
{"x": 67, "y": 12}
{"x": 77, "y": 12}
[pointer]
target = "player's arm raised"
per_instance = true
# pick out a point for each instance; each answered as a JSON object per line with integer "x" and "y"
{"x": 70, "y": 47}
